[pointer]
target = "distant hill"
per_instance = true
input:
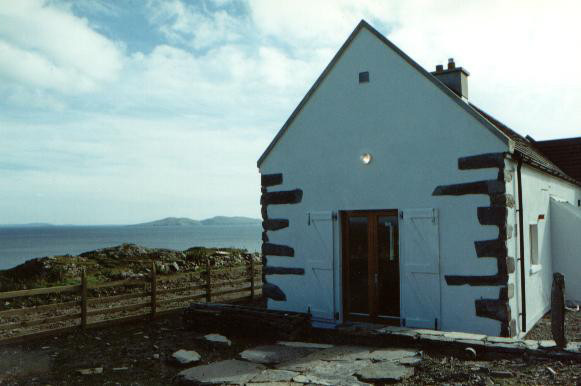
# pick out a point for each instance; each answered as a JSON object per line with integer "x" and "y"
{"x": 29, "y": 225}
{"x": 224, "y": 220}
{"x": 170, "y": 222}
{"x": 164, "y": 222}
{"x": 187, "y": 222}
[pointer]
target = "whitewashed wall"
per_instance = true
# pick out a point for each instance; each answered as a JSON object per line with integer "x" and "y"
{"x": 416, "y": 133}
{"x": 538, "y": 187}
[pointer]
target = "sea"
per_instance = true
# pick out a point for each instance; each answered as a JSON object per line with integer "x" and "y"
{"x": 18, "y": 243}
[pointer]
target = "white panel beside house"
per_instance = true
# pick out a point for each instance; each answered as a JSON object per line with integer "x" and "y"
{"x": 566, "y": 245}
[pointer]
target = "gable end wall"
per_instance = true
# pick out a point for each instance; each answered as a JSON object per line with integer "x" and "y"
{"x": 416, "y": 134}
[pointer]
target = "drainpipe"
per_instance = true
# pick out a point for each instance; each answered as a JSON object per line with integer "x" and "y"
{"x": 522, "y": 246}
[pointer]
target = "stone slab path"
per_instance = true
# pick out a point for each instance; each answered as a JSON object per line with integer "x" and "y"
{"x": 274, "y": 354}
{"x": 231, "y": 372}
{"x": 186, "y": 356}
{"x": 306, "y": 363}
{"x": 216, "y": 339}
{"x": 476, "y": 341}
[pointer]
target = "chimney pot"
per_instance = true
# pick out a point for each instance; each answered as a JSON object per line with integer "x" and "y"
{"x": 455, "y": 78}
{"x": 451, "y": 64}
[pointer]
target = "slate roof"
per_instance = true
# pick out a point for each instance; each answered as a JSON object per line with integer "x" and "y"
{"x": 564, "y": 152}
{"x": 532, "y": 153}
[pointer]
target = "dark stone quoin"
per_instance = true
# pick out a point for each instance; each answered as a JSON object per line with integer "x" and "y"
{"x": 277, "y": 250}
{"x": 284, "y": 197}
{"x": 482, "y": 161}
{"x": 270, "y": 270}
{"x": 495, "y": 214}
{"x": 270, "y": 179}
{"x": 274, "y": 224}
{"x": 273, "y": 292}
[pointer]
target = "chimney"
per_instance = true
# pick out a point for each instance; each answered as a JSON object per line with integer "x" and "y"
{"x": 455, "y": 78}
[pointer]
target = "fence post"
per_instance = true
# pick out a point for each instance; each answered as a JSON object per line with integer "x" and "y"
{"x": 84, "y": 299}
{"x": 558, "y": 309}
{"x": 208, "y": 281}
{"x": 251, "y": 278}
{"x": 153, "y": 290}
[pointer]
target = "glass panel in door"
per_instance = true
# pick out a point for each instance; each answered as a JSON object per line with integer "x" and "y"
{"x": 387, "y": 266}
{"x": 358, "y": 265}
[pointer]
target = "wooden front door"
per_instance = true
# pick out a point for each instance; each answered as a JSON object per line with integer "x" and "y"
{"x": 371, "y": 265}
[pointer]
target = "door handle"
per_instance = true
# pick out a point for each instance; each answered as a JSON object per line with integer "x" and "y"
{"x": 376, "y": 278}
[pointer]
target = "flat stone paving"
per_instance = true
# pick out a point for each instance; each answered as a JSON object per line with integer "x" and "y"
{"x": 185, "y": 357}
{"x": 304, "y": 344}
{"x": 274, "y": 354}
{"x": 308, "y": 363}
{"x": 232, "y": 372}
{"x": 305, "y": 363}
{"x": 462, "y": 339}
{"x": 273, "y": 375}
{"x": 385, "y": 372}
{"x": 216, "y": 339}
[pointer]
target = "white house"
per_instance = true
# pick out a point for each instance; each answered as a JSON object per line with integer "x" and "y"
{"x": 388, "y": 197}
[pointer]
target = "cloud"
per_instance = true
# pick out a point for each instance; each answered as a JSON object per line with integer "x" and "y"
{"x": 511, "y": 49}
{"x": 219, "y": 88}
{"x": 35, "y": 99}
{"x": 174, "y": 125}
{"x": 307, "y": 24}
{"x": 135, "y": 168}
{"x": 47, "y": 47}
{"x": 195, "y": 26}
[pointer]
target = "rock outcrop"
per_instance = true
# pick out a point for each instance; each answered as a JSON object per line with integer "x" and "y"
{"x": 126, "y": 261}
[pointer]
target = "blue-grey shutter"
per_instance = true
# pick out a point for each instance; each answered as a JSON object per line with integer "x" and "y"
{"x": 420, "y": 268}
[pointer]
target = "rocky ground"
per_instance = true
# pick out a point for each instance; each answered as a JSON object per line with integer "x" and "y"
{"x": 141, "y": 354}
{"x": 128, "y": 354}
{"x": 177, "y": 271}
{"x": 126, "y": 261}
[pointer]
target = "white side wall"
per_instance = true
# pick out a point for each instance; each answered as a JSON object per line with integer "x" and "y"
{"x": 538, "y": 187}
{"x": 416, "y": 134}
{"x": 566, "y": 246}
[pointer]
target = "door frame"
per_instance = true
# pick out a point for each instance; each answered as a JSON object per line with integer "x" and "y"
{"x": 372, "y": 242}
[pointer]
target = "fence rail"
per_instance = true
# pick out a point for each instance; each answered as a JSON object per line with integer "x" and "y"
{"x": 89, "y": 310}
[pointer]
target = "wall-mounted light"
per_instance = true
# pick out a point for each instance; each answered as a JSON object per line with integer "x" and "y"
{"x": 366, "y": 158}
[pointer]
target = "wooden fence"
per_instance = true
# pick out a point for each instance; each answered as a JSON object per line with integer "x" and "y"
{"x": 160, "y": 294}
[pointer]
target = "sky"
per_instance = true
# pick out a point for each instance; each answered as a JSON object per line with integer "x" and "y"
{"x": 118, "y": 112}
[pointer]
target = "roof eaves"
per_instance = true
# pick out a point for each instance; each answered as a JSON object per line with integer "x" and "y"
{"x": 529, "y": 161}
{"x": 383, "y": 39}
{"x": 521, "y": 144}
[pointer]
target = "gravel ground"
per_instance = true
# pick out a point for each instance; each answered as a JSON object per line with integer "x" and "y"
{"x": 143, "y": 351}
{"x": 542, "y": 330}
{"x": 436, "y": 370}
